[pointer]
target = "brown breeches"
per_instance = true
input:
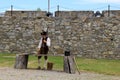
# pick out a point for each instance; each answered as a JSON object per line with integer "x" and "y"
{"x": 43, "y": 51}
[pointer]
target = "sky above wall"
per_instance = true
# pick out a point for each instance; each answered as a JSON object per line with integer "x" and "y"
{"x": 68, "y": 5}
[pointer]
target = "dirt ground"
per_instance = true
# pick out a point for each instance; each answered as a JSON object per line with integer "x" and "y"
{"x": 32, "y": 74}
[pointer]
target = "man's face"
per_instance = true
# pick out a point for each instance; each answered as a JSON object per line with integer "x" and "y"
{"x": 44, "y": 36}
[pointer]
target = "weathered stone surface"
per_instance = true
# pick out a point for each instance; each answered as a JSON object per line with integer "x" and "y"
{"x": 92, "y": 37}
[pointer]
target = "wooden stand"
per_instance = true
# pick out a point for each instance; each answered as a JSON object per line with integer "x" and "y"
{"x": 69, "y": 64}
{"x": 21, "y": 61}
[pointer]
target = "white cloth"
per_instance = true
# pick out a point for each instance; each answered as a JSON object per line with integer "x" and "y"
{"x": 48, "y": 43}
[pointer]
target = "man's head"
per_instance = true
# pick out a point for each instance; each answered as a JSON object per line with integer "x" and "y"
{"x": 44, "y": 34}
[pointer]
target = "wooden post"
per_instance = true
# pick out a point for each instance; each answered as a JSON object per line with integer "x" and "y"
{"x": 21, "y": 61}
{"x": 69, "y": 64}
{"x": 66, "y": 65}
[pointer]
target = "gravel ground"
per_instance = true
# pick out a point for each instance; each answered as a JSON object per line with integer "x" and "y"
{"x": 32, "y": 74}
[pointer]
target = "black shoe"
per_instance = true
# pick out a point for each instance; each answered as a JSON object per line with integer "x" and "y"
{"x": 43, "y": 68}
{"x": 39, "y": 67}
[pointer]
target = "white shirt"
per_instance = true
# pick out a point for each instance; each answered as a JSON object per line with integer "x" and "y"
{"x": 47, "y": 43}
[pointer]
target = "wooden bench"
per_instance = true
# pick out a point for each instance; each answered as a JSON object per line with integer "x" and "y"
{"x": 21, "y": 62}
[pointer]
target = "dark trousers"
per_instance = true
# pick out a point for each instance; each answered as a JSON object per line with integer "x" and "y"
{"x": 43, "y": 50}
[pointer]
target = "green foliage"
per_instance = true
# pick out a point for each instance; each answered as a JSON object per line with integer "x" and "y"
{"x": 38, "y": 9}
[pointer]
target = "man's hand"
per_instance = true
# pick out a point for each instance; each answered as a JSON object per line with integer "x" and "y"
{"x": 44, "y": 41}
{"x": 38, "y": 49}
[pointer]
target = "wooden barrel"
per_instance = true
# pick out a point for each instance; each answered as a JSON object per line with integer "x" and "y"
{"x": 49, "y": 66}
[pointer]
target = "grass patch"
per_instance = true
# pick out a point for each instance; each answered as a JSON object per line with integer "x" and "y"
{"x": 57, "y": 61}
{"x": 104, "y": 66}
{"x": 111, "y": 67}
{"x": 7, "y": 60}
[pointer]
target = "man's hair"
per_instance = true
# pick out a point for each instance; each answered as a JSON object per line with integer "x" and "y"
{"x": 44, "y": 33}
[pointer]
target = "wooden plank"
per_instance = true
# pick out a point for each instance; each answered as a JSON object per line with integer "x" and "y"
{"x": 48, "y": 55}
{"x": 35, "y": 54}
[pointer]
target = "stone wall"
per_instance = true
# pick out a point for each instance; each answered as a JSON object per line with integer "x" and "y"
{"x": 74, "y": 14}
{"x": 19, "y": 14}
{"x": 112, "y": 13}
{"x": 89, "y": 37}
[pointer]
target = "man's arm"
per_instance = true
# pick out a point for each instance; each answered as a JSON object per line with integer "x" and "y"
{"x": 48, "y": 43}
{"x": 40, "y": 43}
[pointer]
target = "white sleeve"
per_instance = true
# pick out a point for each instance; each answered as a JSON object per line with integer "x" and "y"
{"x": 48, "y": 42}
{"x": 40, "y": 43}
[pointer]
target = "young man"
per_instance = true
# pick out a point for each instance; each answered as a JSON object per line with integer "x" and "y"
{"x": 43, "y": 48}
